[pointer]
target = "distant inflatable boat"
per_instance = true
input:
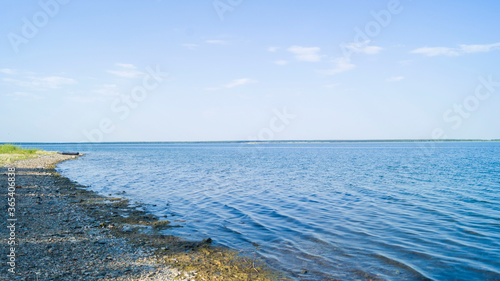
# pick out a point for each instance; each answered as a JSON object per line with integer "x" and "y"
{"x": 69, "y": 153}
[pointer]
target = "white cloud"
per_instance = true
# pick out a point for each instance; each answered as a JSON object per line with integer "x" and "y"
{"x": 436, "y": 51}
{"x": 309, "y": 54}
{"x": 364, "y": 48}
{"x": 371, "y": 50}
{"x": 272, "y": 49}
{"x": 341, "y": 64}
{"x": 126, "y": 71}
{"x": 216, "y": 42}
{"x": 54, "y": 82}
{"x": 239, "y": 82}
{"x": 395, "y": 78}
{"x": 8, "y": 71}
{"x": 126, "y": 65}
{"x": 479, "y": 48}
{"x": 232, "y": 84}
{"x": 452, "y": 52}
{"x": 190, "y": 46}
{"x": 281, "y": 62}
{"x": 41, "y": 83}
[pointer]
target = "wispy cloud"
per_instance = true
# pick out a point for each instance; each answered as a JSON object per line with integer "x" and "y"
{"x": 479, "y": 48}
{"x": 370, "y": 50}
{"x": 126, "y": 65}
{"x": 341, "y": 64}
{"x": 460, "y": 50}
{"x": 126, "y": 71}
{"x": 364, "y": 48}
{"x": 239, "y": 82}
{"x": 190, "y": 46}
{"x": 107, "y": 90}
{"x": 86, "y": 99}
{"x": 216, "y": 42}
{"x": 281, "y": 62}
{"x": 8, "y": 71}
{"x": 395, "y": 79}
{"x": 25, "y": 96}
{"x": 33, "y": 81}
{"x": 232, "y": 84}
{"x": 436, "y": 51}
{"x": 41, "y": 83}
{"x": 309, "y": 54}
{"x": 54, "y": 82}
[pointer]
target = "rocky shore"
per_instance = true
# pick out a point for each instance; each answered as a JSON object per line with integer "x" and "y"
{"x": 62, "y": 231}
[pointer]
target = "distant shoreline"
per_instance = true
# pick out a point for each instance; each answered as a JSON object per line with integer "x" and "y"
{"x": 265, "y": 141}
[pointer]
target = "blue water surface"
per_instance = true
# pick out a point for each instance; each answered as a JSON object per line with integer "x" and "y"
{"x": 339, "y": 210}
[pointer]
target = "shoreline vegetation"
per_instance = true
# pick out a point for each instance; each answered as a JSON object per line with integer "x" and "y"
{"x": 65, "y": 231}
{"x": 10, "y": 153}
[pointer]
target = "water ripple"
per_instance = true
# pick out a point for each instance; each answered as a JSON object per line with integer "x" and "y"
{"x": 350, "y": 211}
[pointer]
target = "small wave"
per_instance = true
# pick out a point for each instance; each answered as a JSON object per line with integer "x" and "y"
{"x": 411, "y": 271}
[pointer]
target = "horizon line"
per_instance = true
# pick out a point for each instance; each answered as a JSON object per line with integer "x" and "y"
{"x": 269, "y": 141}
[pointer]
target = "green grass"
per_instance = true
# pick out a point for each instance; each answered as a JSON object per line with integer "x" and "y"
{"x": 14, "y": 149}
{"x": 10, "y": 153}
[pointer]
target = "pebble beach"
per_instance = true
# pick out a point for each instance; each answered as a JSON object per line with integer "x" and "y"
{"x": 64, "y": 232}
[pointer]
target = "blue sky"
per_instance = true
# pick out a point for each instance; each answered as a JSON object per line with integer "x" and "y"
{"x": 155, "y": 70}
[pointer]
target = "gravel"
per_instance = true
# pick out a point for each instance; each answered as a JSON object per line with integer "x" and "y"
{"x": 57, "y": 238}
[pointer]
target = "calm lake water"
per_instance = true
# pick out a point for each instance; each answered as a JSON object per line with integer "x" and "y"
{"x": 351, "y": 211}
